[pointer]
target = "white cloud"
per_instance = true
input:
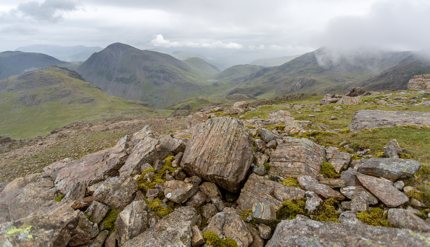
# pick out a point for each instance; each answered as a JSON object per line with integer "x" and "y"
{"x": 160, "y": 41}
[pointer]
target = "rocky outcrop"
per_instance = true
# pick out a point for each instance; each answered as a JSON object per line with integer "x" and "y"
{"x": 370, "y": 119}
{"x": 419, "y": 82}
{"x": 258, "y": 189}
{"x": 392, "y": 169}
{"x": 173, "y": 230}
{"x": 305, "y": 232}
{"x": 296, "y": 157}
{"x": 220, "y": 151}
{"x": 384, "y": 190}
{"x": 228, "y": 224}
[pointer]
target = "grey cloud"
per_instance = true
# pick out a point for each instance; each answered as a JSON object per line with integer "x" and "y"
{"x": 48, "y": 10}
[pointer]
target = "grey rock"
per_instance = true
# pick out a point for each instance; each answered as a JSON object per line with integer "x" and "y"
{"x": 115, "y": 192}
{"x": 339, "y": 160}
{"x": 392, "y": 149}
{"x": 266, "y": 135}
{"x": 296, "y": 157}
{"x": 403, "y": 218}
{"x": 399, "y": 185}
{"x": 310, "y": 183}
{"x": 263, "y": 213}
{"x": 384, "y": 190}
{"x": 197, "y": 200}
{"x": 370, "y": 119}
{"x": 353, "y": 191}
{"x": 173, "y": 230}
{"x": 349, "y": 176}
{"x": 258, "y": 189}
{"x": 210, "y": 189}
{"x": 97, "y": 211}
{"x": 220, "y": 151}
{"x": 84, "y": 232}
{"x": 208, "y": 211}
{"x": 100, "y": 239}
{"x": 313, "y": 201}
{"x": 179, "y": 191}
{"x": 265, "y": 231}
{"x": 197, "y": 239}
{"x": 132, "y": 221}
{"x": 229, "y": 224}
{"x": 305, "y": 232}
{"x": 389, "y": 168}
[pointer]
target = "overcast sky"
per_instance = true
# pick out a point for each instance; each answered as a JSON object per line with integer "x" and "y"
{"x": 262, "y": 28}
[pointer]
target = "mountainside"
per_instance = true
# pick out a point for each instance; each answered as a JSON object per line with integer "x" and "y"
{"x": 238, "y": 73}
{"x": 202, "y": 68}
{"x": 16, "y": 62}
{"x": 397, "y": 77}
{"x": 65, "y": 53}
{"x": 319, "y": 71}
{"x": 271, "y": 62}
{"x": 154, "y": 78}
{"x": 39, "y": 101}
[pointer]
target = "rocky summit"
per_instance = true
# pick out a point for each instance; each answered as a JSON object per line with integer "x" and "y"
{"x": 243, "y": 175}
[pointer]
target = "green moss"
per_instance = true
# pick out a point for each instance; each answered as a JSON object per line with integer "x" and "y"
{"x": 59, "y": 198}
{"x": 245, "y": 214}
{"x": 267, "y": 166}
{"x": 327, "y": 211}
{"x": 327, "y": 169}
{"x": 158, "y": 178}
{"x": 108, "y": 222}
{"x": 291, "y": 208}
{"x": 291, "y": 182}
{"x": 23, "y": 231}
{"x": 159, "y": 208}
{"x": 214, "y": 240}
{"x": 374, "y": 217}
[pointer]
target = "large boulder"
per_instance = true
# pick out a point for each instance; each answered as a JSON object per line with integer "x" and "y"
{"x": 404, "y": 218}
{"x": 296, "y": 157}
{"x": 303, "y": 231}
{"x": 228, "y": 224}
{"x": 389, "y": 168}
{"x": 384, "y": 190}
{"x": 220, "y": 151}
{"x": 419, "y": 82}
{"x": 258, "y": 189}
{"x": 370, "y": 119}
{"x": 173, "y": 230}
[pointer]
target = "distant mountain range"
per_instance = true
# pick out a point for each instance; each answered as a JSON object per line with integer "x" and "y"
{"x": 272, "y": 62}
{"x": 66, "y": 53}
{"x": 15, "y": 62}
{"x": 39, "y": 101}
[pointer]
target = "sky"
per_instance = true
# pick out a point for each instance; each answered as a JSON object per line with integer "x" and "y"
{"x": 241, "y": 29}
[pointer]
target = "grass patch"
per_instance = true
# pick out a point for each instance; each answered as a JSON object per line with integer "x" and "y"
{"x": 327, "y": 169}
{"x": 291, "y": 208}
{"x": 159, "y": 208}
{"x": 212, "y": 239}
{"x": 291, "y": 182}
{"x": 327, "y": 211}
{"x": 108, "y": 222}
{"x": 59, "y": 198}
{"x": 374, "y": 217}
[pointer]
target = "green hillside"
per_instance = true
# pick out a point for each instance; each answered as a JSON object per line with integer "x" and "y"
{"x": 37, "y": 102}
{"x": 202, "y": 68}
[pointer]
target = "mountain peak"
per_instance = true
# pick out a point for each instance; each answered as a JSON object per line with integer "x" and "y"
{"x": 120, "y": 46}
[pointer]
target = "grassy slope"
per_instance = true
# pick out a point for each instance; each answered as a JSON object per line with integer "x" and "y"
{"x": 81, "y": 101}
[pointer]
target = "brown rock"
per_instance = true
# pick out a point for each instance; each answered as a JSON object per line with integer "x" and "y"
{"x": 220, "y": 151}
{"x": 311, "y": 184}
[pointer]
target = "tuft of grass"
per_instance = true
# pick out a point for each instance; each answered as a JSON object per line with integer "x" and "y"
{"x": 158, "y": 175}
{"x": 159, "y": 208}
{"x": 327, "y": 169}
{"x": 327, "y": 211}
{"x": 59, "y": 198}
{"x": 374, "y": 217}
{"x": 291, "y": 208}
{"x": 108, "y": 222}
{"x": 212, "y": 239}
{"x": 291, "y": 182}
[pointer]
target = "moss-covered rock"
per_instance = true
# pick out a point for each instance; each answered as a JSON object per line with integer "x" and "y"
{"x": 212, "y": 239}
{"x": 291, "y": 182}
{"x": 109, "y": 221}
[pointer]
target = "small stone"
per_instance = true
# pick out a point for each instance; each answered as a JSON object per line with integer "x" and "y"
{"x": 197, "y": 200}
{"x": 265, "y": 231}
{"x": 266, "y": 135}
{"x": 97, "y": 211}
{"x": 179, "y": 191}
{"x": 399, "y": 185}
{"x": 197, "y": 239}
{"x": 272, "y": 144}
{"x": 263, "y": 213}
{"x": 209, "y": 210}
{"x": 210, "y": 189}
{"x": 392, "y": 149}
{"x": 313, "y": 201}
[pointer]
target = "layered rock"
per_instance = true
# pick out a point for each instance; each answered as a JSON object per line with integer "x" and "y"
{"x": 370, "y": 119}
{"x": 220, "y": 151}
{"x": 296, "y": 157}
{"x": 173, "y": 230}
{"x": 389, "y": 168}
{"x": 305, "y": 232}
{"x": 420, "y": 82}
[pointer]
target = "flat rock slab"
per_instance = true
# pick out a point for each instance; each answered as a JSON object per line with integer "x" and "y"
{"x": 258, "y": 189}
{"x": 296, "y": 157}
{"x": 220, "y": 151}
{"x": 384, "y": 190}
{"x": 370, "y": 119}
{"x": 389, "y": 168}
{"x": 303, "y": 231}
